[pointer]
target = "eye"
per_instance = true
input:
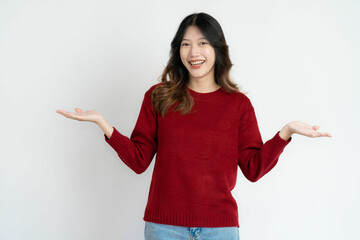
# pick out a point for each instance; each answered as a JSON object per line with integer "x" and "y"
{"x": 185, "y": 44}
{"x": 203, "y": 43}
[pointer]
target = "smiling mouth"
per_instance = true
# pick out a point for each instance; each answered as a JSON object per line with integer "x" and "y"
{"x": 197, "y": 63}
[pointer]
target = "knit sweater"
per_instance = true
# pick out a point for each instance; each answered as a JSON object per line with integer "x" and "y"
{"x": 197, "y": 157}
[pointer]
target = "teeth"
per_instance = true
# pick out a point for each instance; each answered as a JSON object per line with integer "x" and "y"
{"x": 198, "y": 62}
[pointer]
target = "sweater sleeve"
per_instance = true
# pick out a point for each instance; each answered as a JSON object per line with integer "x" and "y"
{"x": 255, "y": 158}
{"x": 138, "y": 151}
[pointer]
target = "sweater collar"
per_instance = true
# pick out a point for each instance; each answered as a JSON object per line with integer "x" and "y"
{"x": 209, "y": 96}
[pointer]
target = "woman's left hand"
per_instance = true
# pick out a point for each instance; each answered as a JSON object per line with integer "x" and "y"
{"x": 302, "y": 129}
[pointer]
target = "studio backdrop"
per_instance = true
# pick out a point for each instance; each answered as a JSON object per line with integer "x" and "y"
{"x": 59, "y": 179}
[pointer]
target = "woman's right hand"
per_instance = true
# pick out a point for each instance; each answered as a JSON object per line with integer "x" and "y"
{"x": 80, "y": 115}
{"x": 91, "y": 116}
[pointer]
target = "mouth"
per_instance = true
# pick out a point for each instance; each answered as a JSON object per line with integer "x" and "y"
{"x": 196, "y": 63}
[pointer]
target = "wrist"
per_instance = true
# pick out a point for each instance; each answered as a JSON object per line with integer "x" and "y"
{"x": 285, "y": 133}
{"x": 105, "y": 126}
{"x": 100, "y": 120}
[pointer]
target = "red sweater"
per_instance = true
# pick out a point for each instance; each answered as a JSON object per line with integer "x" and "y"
{"x": 197, "y": 157}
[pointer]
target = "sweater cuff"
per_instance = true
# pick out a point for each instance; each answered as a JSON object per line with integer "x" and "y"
{"x": 116, "y": 139}
{"x": 281, "y": 143}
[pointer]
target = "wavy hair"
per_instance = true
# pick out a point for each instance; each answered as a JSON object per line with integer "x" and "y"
{"x": 175, "y": 75}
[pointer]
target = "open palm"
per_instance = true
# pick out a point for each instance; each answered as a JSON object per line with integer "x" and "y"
{"x": 80, "y": 115}
{"x": 306, "y": 130}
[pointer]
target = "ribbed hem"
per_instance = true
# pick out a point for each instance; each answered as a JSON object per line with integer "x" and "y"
{"x": 193, "y": 219}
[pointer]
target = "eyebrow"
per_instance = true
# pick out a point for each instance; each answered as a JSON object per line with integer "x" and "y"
{"x": 198, "y": 39}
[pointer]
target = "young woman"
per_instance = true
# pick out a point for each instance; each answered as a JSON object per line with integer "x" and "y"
{"x": 201, "y": 128}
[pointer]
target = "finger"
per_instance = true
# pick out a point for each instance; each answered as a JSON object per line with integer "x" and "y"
{"x": 62, "y": 112}
{"x": 310, "y": 133}
{"x": 326, "y": 134}
{"x": 323, "y": 134}
{"x": 316, "y": 127}
{"x": 78, "y": 110}
{"x": 66, "y": 114}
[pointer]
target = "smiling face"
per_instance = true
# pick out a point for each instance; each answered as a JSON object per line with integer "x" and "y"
{"x": 197, "y": 55}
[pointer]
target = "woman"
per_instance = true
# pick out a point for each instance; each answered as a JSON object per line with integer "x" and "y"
{"x": 201, "y": 128}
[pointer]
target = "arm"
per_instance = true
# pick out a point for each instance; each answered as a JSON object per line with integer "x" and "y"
{"x": 255, "y": 158}
{"x": 137, "y": 151}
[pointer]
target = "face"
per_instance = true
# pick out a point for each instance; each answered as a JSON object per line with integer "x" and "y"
{"x": 197, "y": 55}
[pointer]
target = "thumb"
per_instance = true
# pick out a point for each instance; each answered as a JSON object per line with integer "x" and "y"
{"x": 78, "y": 110}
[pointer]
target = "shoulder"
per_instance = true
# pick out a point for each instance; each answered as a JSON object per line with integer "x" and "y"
{"x": 241, "y": 104}
{"x": 241, "y": 100}
{"x": 150, "y": 90}
{"x": 245, "y": 99}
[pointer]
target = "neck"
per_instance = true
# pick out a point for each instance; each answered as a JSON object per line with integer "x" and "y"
{"x": 203, "y": 86}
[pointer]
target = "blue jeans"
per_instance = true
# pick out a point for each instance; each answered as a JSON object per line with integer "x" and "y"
{"x": 156, "y": 231}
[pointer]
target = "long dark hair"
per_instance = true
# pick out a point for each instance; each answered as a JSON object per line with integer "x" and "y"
{"x": 175, "y": 75}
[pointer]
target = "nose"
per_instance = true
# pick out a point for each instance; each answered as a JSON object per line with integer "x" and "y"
{"x": 194, "y": 50}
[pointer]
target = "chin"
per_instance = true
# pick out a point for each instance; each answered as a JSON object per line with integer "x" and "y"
{"x": 197, "y": 75}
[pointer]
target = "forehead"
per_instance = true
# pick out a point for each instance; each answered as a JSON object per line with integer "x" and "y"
{"x": 193, "y": 33}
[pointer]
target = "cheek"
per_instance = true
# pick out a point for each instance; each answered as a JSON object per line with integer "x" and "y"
{"x": 183, "y": 56}
{"x": 210, "y": 55}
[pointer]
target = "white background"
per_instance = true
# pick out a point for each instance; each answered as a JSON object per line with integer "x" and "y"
{"x": 59, "y": 179}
